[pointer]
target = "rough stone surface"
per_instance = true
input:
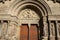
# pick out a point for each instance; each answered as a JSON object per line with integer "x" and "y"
{"x": 10, "y": 25}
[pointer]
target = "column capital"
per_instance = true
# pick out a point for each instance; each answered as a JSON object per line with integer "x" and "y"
{"x": 12, "y": 23}
{"x": 45, "y": 19}
{"x": 56, "y": 21}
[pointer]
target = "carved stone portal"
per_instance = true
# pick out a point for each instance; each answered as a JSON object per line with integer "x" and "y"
{"x": 28, "y": 16}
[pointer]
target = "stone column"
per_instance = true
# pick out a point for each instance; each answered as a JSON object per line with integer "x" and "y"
{"x": 51, "y": 36}
{"x": 4, "y": 29}
{"x": 57, "y": 30}
{"x": 52, "y": 30}
{"x": 49, "y": 30}
{"x": 4, "y": 26}
{"x": 45, "y": 28}
{"x": 12, "y": 29}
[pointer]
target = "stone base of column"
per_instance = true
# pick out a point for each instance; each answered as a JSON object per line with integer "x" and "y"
{"x": 45, "y": 38}
{"x": 52, "y": 38}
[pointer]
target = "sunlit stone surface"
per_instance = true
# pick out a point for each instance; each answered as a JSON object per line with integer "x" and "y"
{"x": 43, "y": 13}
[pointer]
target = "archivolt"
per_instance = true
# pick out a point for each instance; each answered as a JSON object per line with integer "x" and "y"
{"x": 17, "y": 6}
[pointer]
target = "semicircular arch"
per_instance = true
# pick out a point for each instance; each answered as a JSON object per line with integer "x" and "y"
{"x": 40, "y": 5}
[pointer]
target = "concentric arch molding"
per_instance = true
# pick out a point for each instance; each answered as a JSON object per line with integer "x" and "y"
{"x": 41, "y": 5}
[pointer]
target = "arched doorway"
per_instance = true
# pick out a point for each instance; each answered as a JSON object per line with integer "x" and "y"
{"x": 40, "y": 8}
{"x": 29, "y": 25}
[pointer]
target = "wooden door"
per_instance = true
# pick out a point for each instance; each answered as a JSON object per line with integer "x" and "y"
{"x": 33, "y": 32}
{"x": 24, "y": 32}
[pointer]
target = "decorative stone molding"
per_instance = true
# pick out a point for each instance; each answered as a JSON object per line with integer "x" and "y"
{"x": 15, "y": 9}
{"x": 28, "y": 16}
{"x": 8, "y": 17}
{"x": 40, "y": 7}
{"x": 54, "y": 17}
{"x": 12, "y": 31}
{"x": 52, "y": 29}
{"x": 45, "y": 29}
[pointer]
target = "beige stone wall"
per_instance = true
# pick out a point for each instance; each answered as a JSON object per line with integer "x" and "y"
{"x": 55, "y": 7}
{"x": 5, "y": 9}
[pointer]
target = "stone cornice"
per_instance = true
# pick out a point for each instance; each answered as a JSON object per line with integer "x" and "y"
{"x": 8, "y": 17}
{"x": 54, "y": 17}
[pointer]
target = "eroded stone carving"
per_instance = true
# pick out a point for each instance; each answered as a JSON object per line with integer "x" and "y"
{"x": 45, "y": 29}
{"x": 28, "y": 16}
{"x": 8, "y": 31}
{"x": 3, "y": 30}
{"x": 59, "y": 29}
{"x": 52, "y": 29}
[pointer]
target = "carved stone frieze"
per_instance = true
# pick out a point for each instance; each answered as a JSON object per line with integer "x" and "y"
{"x": 28, "y": 16}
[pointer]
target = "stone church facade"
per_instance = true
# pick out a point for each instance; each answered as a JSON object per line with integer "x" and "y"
{"x": 29, "y": 20}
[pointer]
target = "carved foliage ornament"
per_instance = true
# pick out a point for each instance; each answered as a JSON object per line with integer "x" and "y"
{"x": 28, "y": 14}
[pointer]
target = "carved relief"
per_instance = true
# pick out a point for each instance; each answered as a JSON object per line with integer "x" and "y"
{"x": 52, "y": 29}
{"x": 45, "y": 29}
{"x": 28, "y": 16}
{"x": 11, "y": 35}
{"x": 3, "y": 30}
{"x": 8, "y": 31}
{"x": 59, "y": 29}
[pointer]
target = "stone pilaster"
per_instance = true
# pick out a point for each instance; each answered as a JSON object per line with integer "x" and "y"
{"x": 57, "y": 28}
{"x": 12, "y": 31}
{"x": 45, "y": 28}
{"x": 52, "y": 30}
{"x": 3, "y": 29}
